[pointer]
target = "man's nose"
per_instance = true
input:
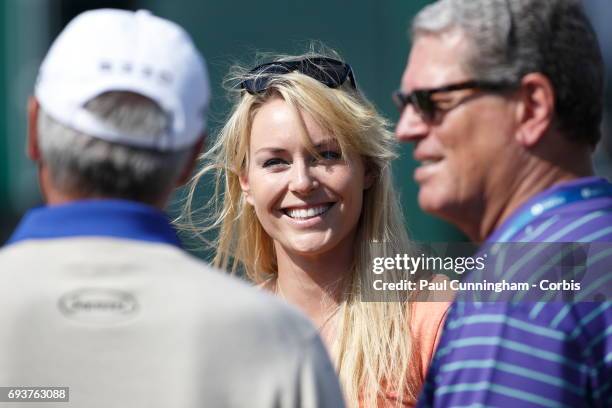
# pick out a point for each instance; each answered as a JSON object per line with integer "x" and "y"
{"x": 411, "y": 127}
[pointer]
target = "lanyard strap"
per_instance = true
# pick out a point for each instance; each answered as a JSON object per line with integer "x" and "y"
{"x": 560, "y": 198}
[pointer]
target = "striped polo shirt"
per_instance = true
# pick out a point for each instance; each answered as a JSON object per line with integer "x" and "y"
{"x": 527, "y": 353}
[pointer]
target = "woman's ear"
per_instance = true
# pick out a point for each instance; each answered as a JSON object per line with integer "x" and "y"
{"x": 244, "y": 185}
{"x": 369, "y": 176}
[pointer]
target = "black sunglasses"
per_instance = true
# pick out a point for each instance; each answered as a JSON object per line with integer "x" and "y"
{"x": 328, "y": 71}
{"x": 422, "y": 102}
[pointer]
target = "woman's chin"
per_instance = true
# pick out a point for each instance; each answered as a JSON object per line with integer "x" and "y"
{"x": 308, "y": 247}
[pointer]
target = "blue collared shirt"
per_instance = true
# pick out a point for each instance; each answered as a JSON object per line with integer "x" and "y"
{"x": 99, "y": 218}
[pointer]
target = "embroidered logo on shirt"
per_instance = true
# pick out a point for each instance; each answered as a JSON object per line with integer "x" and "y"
{"x": 98, "y": 305}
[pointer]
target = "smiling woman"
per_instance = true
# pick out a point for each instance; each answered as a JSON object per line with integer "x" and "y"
{"x": 304, "y": 164}
{"x": 307, "y": 198}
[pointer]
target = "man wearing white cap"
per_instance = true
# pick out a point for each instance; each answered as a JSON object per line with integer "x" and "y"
{"x": 98, "y": 298}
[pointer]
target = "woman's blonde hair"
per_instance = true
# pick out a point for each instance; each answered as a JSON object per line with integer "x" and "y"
{"x": 374, "y": 345}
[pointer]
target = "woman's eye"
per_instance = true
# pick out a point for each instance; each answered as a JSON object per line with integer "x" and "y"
{"x": 273, "y": 162}
{"x": 330, "y": 155}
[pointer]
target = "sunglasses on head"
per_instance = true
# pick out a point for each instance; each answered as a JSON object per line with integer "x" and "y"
{"x": 328, "y": 71}
{"x": 422, "y": 102}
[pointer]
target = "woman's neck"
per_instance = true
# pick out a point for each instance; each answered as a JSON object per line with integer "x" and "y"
{"x": 315, "y": 284}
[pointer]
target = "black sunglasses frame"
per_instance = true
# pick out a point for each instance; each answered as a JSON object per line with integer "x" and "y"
{"x": 330, "y": 72}
{"x": 427, "y": 108}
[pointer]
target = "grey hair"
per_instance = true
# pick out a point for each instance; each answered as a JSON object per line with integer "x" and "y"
{"x": 90, "y": 167}
{"x": 511, "y": 38}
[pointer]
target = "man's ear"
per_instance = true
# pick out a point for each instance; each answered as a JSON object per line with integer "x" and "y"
{"x": 244, "y": 185}
{"x": 193, "y": 160}
{"x": 536, "y": 108}
{"x": 33, "y": 150}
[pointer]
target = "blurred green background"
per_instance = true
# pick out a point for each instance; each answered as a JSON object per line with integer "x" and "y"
{"x": 371, "y": 35}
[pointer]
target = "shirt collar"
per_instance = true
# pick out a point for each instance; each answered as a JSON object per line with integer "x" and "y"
{"x": 584, "y": 181}
{"x": 105, "y": 218}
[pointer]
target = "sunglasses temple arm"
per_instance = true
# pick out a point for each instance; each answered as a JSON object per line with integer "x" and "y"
{"x": 351, "y": 77}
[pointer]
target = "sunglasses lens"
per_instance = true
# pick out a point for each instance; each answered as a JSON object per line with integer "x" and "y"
{"x": 400, "y": 100}
{"x": 420, "y": 100}
{"x": 330, "y": 72}
{"x": 260, "y": 77}
{"x": 255, "y": 85}
{"x": 424, "y": 105}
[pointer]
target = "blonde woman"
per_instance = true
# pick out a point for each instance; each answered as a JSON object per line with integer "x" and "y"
{"x": 305, "y": 201}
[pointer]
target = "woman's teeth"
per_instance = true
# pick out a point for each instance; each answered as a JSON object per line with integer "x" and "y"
{"x": 304, "y": 213}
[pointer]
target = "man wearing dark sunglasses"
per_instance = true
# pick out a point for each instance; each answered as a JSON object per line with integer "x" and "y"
{"x": 502, "y": 100}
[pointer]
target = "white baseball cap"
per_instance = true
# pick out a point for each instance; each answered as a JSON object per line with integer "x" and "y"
{"x": 116, "y": 50}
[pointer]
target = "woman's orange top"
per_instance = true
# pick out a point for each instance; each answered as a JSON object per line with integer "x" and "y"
{"x": 427, "y": 323}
